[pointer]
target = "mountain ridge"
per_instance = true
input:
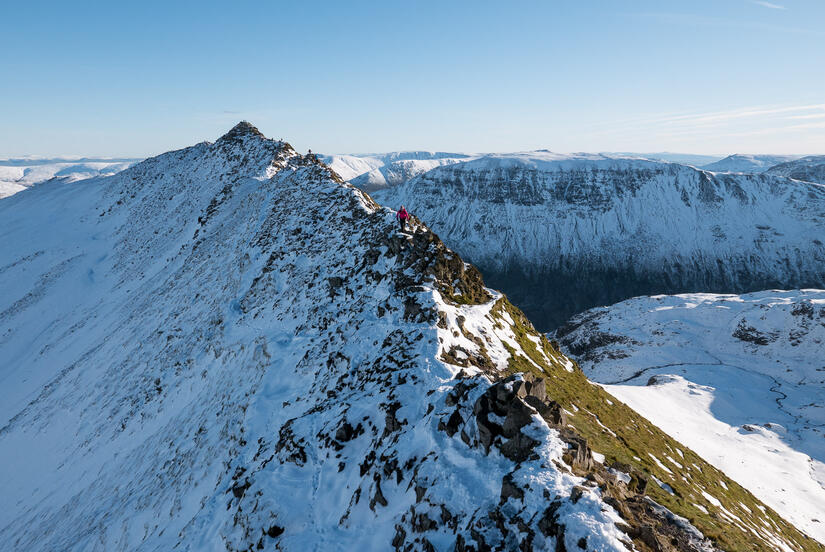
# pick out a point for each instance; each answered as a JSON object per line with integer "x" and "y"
{"x": 211, "y": 362}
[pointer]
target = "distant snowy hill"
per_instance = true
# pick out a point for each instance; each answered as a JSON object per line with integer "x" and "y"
{"x": 739, "y": 379}
{"x": 811, "y": 169}
{"x": 740, "y": 163}
{"x": 693, "y": 159}
{"x": 563, "y": 233}
{"x": 18, "y": 174}
{"x": 398, "y": 172}
{"x": 373, "y": 171}
{"x": 193, "y": 359}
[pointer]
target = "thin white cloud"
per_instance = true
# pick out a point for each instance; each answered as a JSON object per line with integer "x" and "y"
{"x": 744, "y": 121}
{"x": 768, "y": 5}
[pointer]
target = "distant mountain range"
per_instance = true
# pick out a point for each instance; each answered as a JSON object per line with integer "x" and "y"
{"x": 563, "y": 233}
{"x": 18, "y": 174}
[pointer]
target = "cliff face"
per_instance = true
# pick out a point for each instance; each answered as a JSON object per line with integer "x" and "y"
{"x": 560, "y": 234}
{"x": 227, "y": 347}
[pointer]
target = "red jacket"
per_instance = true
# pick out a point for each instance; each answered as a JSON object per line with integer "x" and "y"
{"x": 402, "y": 215}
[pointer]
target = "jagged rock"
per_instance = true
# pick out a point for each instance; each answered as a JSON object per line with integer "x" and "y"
{"x": 345, "y": 432}
{"x": 399, "y": 538}
{"x": 274, "y": 531}
{"x": 510, "y": 490}
{"x": 518, "y": 415}
{"x": 422, "y": 522}
{"x": 519, "y": 448}
{"x": 487, "y": 432}
{"x": 454, "y": 422}
{"x": 378, "y": 497}
{"x": 578, "y": 456}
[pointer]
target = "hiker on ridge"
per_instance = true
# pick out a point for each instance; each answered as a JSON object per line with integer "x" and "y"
{"x": 403, "y": 216}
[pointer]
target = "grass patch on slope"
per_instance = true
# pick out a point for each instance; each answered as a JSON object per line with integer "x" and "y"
{"x": 735, "y": 519}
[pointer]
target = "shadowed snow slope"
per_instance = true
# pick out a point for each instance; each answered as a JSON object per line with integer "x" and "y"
{"x": 739, "y": 379}
{"x": 196, "y": 357}
{"x": 561, "y": 233}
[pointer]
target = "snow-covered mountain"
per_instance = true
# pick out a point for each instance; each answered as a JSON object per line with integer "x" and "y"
{"x": 372, "y": 171}
{"x": 811, "y": 169}
{"x": 398, "y": 172}
{"x": 743, "y": 163}
{"x": 563, "y": 233}
{"x": 18, "y": 174}
{"x": 193, "y": 358}
{"x": 738, "y": 378}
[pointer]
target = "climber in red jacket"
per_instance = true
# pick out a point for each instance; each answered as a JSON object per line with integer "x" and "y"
{"x": 403, "y": 216}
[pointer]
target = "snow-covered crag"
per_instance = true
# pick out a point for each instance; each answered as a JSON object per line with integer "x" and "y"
{"x": 18, "y": 174}
{"x": 743, "y": 163}
{"x": 811, "y": 169}
{"x": 562, "y": 233}
{"x": 738, "y": 378}
{"x": 194, "y": 358}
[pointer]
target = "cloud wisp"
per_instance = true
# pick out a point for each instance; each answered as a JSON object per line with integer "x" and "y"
{"x": 802, "y": 123}
{"x": 768, "y": 5}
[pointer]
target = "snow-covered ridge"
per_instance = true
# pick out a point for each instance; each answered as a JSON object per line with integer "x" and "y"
{"x": 376, "y": 170}
{"x": 18, "y": 174}
{"x": 398, "y": 172}
{"x": 195, "y": 357}
{"x": 738, "y": 378}
{"x": 811, "y": 169}
{"x": 562, "y": 233}
{"x": 744, "y": 163}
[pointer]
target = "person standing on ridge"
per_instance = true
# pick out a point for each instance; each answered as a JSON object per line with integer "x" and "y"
{"x": 403, "y": 216}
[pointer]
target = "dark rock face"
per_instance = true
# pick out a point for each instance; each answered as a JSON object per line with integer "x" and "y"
{"x": 551, "y": 297}
{"x": 743, "y": 332}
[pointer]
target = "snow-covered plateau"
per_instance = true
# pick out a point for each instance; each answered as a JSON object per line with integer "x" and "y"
{"x": 194, "y": 356}
{"x": 740, "y": 379}
{"x": 18, "y": 174}
{"x": 563, "y": 233}
{"x": 743, "y": 163}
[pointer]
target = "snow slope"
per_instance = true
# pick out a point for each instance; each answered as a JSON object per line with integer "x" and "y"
{"x": 811, "y": 169}
{"x": 743, "y": 163}
{"x": 562, "y": 233}
{"x": 194, "y": 360}
{"x": 18, "y": 174}
{"x": 738, "y": 378}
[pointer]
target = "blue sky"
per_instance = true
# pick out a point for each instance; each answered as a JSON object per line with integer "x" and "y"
{"x": 139, "y": 78}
